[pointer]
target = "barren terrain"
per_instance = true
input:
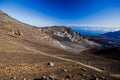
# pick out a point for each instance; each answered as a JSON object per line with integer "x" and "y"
{"x": 29, "y": 53}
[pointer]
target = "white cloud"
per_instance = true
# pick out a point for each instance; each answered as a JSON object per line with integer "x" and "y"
{"x": 103, "y": 28}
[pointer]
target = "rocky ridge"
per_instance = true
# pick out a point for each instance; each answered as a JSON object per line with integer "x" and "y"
{"x": 13, "y": 27}
{"x": 63, "y": 32}
{"x": 69, "y": 39}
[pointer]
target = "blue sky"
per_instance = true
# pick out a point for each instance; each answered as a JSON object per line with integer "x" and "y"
{"x": 64, "y": 12}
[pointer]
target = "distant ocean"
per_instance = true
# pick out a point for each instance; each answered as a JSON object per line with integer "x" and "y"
{"x": 88, "y": 30}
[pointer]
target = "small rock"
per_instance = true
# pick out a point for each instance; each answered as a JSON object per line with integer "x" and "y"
{"x": 93, "y": 75}
{"x": 52, "y": 77}
{"x": 24, "y": 78}
{"x": 97, "y": 79}
{"x": 103, "y": 78}
{"x": 6, "y": 67}
{"x": 65, "y": 70}
{"x": 94, "y": 78}
{"x": 21, "y": 34}
{"x": 83, "y": 74}
{"x": 51, "y": 64}
{"x": 43, "y": 78}
{"x": 84, "y": 69}
{"x": 68, "y": 76}
{"x": 14, "y": 78}
{"x": 102, "y": 69}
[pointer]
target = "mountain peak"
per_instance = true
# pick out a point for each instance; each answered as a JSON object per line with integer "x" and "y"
{"x": 63, "y": 32}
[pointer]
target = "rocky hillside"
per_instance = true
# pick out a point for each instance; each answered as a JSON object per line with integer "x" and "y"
{"x": 63, "y": 32}
{"x": 68, "y": 39}
{"x": 115, "y": 34}
{"x": 31, "y": 53}
{"x": 54, "y": 36}
{"x": 12, "y": 27}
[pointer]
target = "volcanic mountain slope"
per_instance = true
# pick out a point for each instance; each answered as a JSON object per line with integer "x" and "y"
{"x": 107, "y": 39}
{"x": 115, "y": 34}
{"x": 18, "y": 29}
{"x": 68, "y": 39}
{"x": 51, "y": 36}
{"x": 25, "y": 52}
